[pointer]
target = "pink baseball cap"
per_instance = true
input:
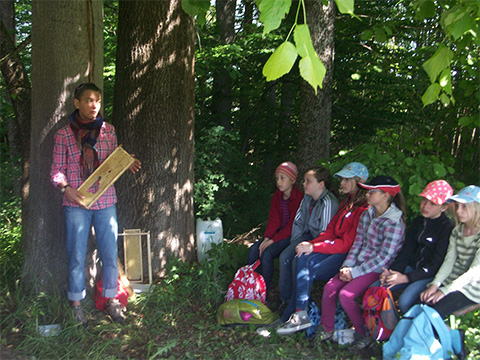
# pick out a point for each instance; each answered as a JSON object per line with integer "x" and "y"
{"x": 437, "y": 191}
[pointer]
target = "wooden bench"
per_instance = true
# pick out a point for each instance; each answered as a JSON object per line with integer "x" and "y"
{"x": 461, "y": 312}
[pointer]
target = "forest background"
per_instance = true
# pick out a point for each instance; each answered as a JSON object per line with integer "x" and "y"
{"x": 385, "y": 112}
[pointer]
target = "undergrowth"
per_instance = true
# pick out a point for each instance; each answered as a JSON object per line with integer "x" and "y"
{"x": 176, "y": 319}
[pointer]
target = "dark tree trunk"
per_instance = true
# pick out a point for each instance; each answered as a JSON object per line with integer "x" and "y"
{"x": 316, "y": 110}
{"x": 222, "y": 82}
{"x": 154, "y": 119}
{"x": 19, "y": 94}
{"x": 67, "y": 49}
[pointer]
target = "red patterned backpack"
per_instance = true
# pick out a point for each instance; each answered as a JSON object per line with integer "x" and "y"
{"x": 247, "y": 284}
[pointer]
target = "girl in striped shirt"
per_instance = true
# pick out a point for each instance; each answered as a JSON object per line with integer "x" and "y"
{"x": 457, "y": 283}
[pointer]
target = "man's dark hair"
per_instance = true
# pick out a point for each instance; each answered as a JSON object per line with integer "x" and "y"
{"x": 84, "y": 87}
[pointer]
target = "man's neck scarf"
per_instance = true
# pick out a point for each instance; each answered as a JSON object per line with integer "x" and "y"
{"x": 86, "y": 135}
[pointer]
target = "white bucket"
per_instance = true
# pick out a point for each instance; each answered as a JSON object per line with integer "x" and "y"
{"x": 208, "y": 232}
{"x": 344, "y": 336}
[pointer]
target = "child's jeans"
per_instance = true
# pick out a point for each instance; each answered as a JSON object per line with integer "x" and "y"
{"x": 267, "y": 259}
{"x": 308, "y": 268}
{"x": 346, "y": 292}
{"x": 286, "y": 266}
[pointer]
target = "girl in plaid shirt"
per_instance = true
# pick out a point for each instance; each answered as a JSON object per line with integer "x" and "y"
{"x": 380, "y": 235}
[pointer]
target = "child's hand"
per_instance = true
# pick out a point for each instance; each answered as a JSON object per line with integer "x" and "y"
{"x": 395, "y": 278}
{"x": 304, "y": 247}
{"x": 136, "y": 166}
{"x": 436, "y": 297}
{"x": 383, "y": 276}
{"x": 345, "y": 274}
{"x": 426, "y": 296}
{"x": 265, "y": 244}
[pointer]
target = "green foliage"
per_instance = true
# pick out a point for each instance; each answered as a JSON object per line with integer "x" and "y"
{"x": 413, "y": 164}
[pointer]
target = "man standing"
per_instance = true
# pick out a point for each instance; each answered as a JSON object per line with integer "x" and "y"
{"x": 79, "y": 148}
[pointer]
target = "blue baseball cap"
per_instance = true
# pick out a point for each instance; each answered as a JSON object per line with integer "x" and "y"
{"x": 466, "y": 195}
{"x": 353, "y": 169}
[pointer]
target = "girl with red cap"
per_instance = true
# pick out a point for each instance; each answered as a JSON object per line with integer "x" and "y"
{"x": 380, "y": 235}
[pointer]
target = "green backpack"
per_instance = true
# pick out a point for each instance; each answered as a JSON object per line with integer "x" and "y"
{"x": 244, "y": 312}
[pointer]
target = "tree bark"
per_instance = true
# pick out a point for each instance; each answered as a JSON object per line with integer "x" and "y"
{"x": 222, "y": 82}
{"x": 19, "y": 94}
{"x": 154, "y": 118}
{"x": 67, "y": 49}
{"x": 316, "y": 110}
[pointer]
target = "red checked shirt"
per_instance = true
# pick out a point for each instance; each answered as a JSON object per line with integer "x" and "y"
{"x": 66, "y": 162}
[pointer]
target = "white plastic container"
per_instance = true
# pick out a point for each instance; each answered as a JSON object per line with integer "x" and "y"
{"x": 344, "y": 336}
{"x": 208, "y": 232}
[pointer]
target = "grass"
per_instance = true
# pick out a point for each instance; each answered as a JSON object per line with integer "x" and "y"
{"x": 176, "y": 320}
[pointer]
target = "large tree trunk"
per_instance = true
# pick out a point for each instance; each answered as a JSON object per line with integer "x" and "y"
{"x": 316, "y": 110}
{"x": 19, "y": 94}
{"x": 67, "y": 49}
{"x": 154, "y": 118}
{"x": 222, "y": 82}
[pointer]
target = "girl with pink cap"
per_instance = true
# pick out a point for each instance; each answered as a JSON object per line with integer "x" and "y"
{"x": 283, "y": 207}
{"x": 426, "y": 243}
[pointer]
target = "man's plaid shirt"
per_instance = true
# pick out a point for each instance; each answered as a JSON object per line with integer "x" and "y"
{"x": 66, "y": 162}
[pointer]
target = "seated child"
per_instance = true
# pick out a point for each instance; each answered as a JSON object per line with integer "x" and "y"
{"x": 315, "y": 212}
{"x": 424, "y": 249}
{"x": 457, "y": 283}
{"x": 283, "y": 207}
{"x": 380, "y": 235}
{"x": 321, "y": 258}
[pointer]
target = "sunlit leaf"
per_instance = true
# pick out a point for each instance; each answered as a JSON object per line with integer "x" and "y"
{"x": 196, "y": 8}
{"x": 280, "y": 62}
{"x": 444, "y": 99}
{"x": 303, "y": 40}
{"x": 445, "y": 81}
{"x": 272, "y": 13}
{"x": 438, "y": 62}
{"x": 312, "y": 70}
{"x": 345, "y": 6}
{"x": 431, "y": 94}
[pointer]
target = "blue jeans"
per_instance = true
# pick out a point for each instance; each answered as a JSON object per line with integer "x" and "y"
{"x": 268, "y": 257}
{"x": 286, "y": 266}
{"x": 77, "y": 223}
{"x": 409, "y": 296}
{"x": 308, "y": 268}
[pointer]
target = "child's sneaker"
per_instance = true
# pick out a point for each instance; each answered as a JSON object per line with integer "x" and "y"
{"x": 115, "y": 310}
{"x": 362, "y": 342}
{"x": 79, "y": 315}
{"x": 267, "y": 329}
{"x": 298, "y": 321}
{"x": 324, "y": 335}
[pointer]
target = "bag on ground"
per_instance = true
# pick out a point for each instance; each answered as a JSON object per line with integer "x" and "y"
{"x": 100, "y": 300}
{"x": 244, "y": 312}
{"x": 423, "y": 334}
{"x": 314, "y": 313}
{"x": 247, "y": 284}
{"x": 379, "y": 312}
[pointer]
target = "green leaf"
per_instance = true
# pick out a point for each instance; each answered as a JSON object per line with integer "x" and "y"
{"x": 311, "y": 68}
{"x": 439, "y": 61}
{"x": 465, "y": 121}
{"x": 272, "y": 13}
{"x": 425, "y": 9}
{"x": 280, "y": 62}
{"x": 431, "y": 94}
{"x": 196, "y": 8}
{"x": 461, "y": 26}
{"x": 439, "y": 170}
{"x": 367, "y": 35}
{"x": 346, "y": 6}
{"x": 445, "y": 100}
{"x": 445, "y": 81}
{"x": 303, "y": 40}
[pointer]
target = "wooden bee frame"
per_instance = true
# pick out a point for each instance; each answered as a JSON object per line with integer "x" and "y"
{"x": 106, "y": 174}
